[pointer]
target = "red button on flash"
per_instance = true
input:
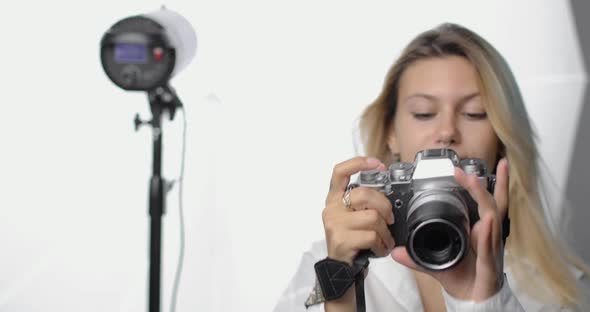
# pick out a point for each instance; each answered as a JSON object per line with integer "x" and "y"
{"x": 158, "y": 54}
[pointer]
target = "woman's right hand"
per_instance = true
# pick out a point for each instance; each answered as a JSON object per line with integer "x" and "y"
{"x": 362, "y": 225}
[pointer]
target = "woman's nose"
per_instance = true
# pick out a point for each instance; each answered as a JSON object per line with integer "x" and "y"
{"x": 447, "y": 132}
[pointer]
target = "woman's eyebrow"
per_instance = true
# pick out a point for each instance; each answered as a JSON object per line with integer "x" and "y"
{"x": 433, "y": 98}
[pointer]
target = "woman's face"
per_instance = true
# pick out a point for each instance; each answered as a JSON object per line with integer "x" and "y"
{"x": 439, "y": 106}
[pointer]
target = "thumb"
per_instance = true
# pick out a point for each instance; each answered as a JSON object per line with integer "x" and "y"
{"x": 400, "y": 255}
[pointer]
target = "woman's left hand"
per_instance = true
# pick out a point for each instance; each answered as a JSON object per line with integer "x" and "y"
{"x": 479, "y": 276}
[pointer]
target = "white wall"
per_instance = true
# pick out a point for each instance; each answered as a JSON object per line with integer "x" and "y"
{"x": 271, "y": 98}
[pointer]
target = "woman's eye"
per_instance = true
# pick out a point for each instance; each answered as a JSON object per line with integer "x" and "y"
{"x": 476, "y": 116}
{"x": 423, "y": 116}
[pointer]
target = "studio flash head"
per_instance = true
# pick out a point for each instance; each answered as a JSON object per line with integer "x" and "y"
{"x": 144, "y": 52}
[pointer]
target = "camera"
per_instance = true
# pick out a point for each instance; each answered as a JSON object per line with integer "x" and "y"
{"x": 433, "y": 213}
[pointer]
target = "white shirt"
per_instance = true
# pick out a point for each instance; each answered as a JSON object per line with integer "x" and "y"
{"x": 390, "y": 286}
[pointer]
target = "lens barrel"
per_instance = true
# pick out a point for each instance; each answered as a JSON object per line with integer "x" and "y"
{"x": 437, "y": 237}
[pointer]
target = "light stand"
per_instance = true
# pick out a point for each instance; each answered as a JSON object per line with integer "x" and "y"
{"x": 161, "y": 99}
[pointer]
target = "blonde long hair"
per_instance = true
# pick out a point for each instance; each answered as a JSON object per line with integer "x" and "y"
{"x": 530, "y": 244}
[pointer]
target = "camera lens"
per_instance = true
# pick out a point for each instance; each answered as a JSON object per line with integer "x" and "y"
{"x": 437, "y": 231}
{"x": 436, "y": 243}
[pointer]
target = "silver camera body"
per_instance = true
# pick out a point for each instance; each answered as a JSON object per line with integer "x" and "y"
{"x": 433, "y": 213}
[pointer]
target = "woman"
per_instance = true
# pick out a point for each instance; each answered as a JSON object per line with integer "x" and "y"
{"x": 449, "y": 89}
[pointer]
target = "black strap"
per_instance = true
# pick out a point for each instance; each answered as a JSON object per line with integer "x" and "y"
{"x": 360, "y": 293}
{"x": 336, "y": 277}
{"x": 360, "y": 263}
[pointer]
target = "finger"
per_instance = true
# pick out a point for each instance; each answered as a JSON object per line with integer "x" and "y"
{"x": 474, "y": 236}
{"x": 501, "y": 188}
{"x": 486, "y": 266}
{"x": 486, "y": 204}
{"x": 485, "y": 201}
{"x": 400, "y": 254}
{"x": 362, "y": 198}
{"x": 371, "y": 220}
{"x": 342, "y": 172}
{"x": 484, "y": 241}
{"x": 361, "y": 240}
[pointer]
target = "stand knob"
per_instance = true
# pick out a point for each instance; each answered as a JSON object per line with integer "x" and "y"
{"x": 138, "y": 122}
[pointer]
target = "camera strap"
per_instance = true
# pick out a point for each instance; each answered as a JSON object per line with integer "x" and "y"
{"x": 360, "y": 263}
{"x": 336, "y": 277}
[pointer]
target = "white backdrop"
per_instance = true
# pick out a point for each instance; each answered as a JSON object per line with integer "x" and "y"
{"x": 271, "y": 100}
